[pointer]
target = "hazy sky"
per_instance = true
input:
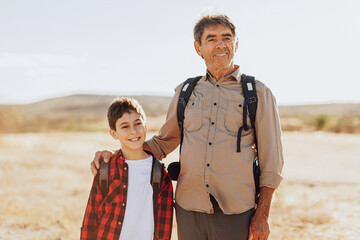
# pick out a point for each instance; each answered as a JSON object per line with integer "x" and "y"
{"x": 306, "y": 51}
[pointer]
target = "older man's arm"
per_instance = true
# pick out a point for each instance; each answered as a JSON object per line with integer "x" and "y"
{"x": 168, "y": 138}
{"x": 160, "y": 145}
{"x": 259, "y": 226}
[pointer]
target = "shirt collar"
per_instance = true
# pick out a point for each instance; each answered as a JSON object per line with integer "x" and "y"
{"x": 118, "y": 156}
{"x": 236, "y": 75}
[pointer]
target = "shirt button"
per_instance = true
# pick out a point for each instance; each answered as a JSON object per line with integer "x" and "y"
{"x": 125, "y": 168}
{"x": 207, "y": 185}
{"x": 240, "y": 105}
{"x": 214, "y": 103}
{"x": 123, "y": 204}
{"x": 210, "y": 143}
{"x": 124, "y": 186}
{"x": 208, "y": 164}
{"x": 217, "y": 85}
{"x": 119, "y": 223}
{"x": 212, "y": 123}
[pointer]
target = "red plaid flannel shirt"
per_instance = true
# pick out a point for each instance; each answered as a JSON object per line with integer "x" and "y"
{"x": 104, "y": 215}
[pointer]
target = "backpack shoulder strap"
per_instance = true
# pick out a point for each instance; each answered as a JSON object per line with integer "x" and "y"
{"x": 184, "y": 96}
{"x": 185, "y": 93}
{"x": 157, "y": 173}
{"x": 103, "y": 177}
{"x": 249, "y": 89}
{"x": 250, "y": 104}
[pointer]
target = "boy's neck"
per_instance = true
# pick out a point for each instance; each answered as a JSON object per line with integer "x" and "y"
{"x": 134, "y": 154}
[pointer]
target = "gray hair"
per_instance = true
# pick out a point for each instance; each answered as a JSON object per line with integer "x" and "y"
{"x": 212, "y": 20}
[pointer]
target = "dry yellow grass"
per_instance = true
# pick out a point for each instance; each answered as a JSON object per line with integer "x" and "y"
{"x": 45, "y": 181}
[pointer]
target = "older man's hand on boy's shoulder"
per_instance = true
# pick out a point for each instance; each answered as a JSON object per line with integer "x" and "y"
{"x": 104, "y": 155}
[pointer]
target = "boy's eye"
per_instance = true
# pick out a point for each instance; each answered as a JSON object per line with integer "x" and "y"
{"x": 138, "y": 123}
{"x": 124, "y": 127}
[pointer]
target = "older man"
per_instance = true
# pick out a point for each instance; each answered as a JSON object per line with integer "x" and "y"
{"x": 215, "y": 190}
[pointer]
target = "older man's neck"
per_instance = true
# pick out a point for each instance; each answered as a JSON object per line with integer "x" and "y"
{"x": 218, "y": 74}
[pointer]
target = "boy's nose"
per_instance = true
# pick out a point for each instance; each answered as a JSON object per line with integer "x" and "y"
{"x": 132, "y": 129}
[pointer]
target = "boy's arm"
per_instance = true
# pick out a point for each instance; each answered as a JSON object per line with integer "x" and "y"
{"x": 90, "y": 218}
{"x": 164, "y": 218}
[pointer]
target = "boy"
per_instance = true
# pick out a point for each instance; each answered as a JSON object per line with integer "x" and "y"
{"x": 126, "y": 212}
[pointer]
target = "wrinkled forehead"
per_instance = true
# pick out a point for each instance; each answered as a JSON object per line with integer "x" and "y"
{"x": 216, "y": 30}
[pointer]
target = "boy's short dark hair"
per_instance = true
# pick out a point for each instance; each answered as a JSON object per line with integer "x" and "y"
{"x": 123, "y": 105}
{"x": 212, "y": 20}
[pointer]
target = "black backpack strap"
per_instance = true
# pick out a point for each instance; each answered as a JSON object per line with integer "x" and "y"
{"x": 250, "y": 105}
{"x": 157, "y": 173}
{"x": 185, "y": 93}
{"x": 103, "y": 177}
{"x": 184, "y": 96}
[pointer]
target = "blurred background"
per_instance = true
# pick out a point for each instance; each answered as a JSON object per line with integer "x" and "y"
{"x": 62, "y": 62}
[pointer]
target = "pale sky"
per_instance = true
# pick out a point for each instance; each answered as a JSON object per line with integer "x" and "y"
{"x": 306, "y": 51}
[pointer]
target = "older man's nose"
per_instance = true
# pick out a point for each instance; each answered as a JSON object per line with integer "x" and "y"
{"x": 220, "y": 44}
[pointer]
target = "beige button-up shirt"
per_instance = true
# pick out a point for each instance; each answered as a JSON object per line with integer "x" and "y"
{"x": 209, "y": 161}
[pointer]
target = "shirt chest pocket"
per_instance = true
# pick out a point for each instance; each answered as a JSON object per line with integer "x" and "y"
{"x": 233, "y": 117}
{"x": 193, "y": 115}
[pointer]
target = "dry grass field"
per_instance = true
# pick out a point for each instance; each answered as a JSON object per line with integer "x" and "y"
{"x": 45, "y": 181}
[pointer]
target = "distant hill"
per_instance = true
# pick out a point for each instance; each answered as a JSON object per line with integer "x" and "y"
{"x": 83, "y": 112}
{"x": 87, "y": 112}
{"x": 347, "y": 109}
{"x": 78, "y": 106}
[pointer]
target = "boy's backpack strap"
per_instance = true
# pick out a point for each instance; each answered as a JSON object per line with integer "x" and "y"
{"x": 157, "y": 173}
{"x": 250, "y": 105}
{"x": 104, "y": 177}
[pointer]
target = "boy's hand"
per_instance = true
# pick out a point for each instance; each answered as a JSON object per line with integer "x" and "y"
{"x": 100, "y": 156}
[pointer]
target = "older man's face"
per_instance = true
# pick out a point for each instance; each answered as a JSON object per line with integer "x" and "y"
{"x": 218, "y": 47}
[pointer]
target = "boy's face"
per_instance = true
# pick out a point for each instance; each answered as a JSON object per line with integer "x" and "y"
{"x": 130, "y": 130}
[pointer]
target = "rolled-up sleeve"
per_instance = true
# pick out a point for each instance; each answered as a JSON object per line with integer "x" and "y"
{"x": 169, "y": 135}
{"x": 268, "y": 131}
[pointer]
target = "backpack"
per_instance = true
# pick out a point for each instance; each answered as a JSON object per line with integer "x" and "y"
{"x": 157, "y": 172}
{"x": 250, "y": 104}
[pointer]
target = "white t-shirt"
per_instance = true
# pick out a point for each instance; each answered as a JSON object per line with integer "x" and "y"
{"x": 138, "y": 221}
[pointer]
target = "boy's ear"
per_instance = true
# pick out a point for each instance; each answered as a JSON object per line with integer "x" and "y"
{"x": 145, "y": 126}
{"x": 113, "y": 134}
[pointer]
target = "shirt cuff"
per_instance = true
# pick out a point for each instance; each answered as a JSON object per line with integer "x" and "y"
{"x": 271, "y": 180}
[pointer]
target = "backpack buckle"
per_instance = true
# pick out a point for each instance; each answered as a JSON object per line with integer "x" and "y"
{"x": 182, "y": 102}
{"x": 252, "y": 99}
